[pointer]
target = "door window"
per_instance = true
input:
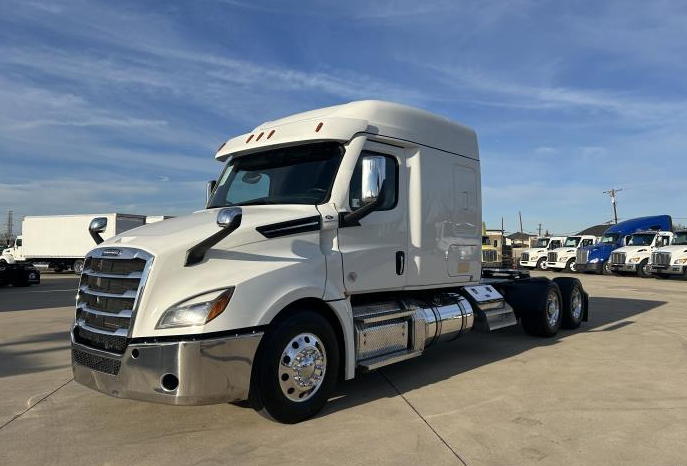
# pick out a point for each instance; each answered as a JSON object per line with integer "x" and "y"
{"x": 390, "y": 193}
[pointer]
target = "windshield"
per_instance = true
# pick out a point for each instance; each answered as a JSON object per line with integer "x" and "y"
{"x": 642, "y": 239}
{"x": 572, "y": 241}
{"x": 555, "y": 244}
{"x": 291, "y": 175}
{"x": 680, "y": 238}
{"x": 542, "y": 243}
{"x": 609, "y": 238}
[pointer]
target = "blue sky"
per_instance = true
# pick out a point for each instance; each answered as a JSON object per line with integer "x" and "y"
{"x": 119, "y": 106}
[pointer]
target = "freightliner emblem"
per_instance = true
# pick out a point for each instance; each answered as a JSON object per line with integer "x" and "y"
{"x": 111, "y": 252}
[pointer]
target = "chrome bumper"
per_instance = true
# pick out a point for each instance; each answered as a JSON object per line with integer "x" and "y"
{"x": 668, "y": 270}
{"x": 624, "y": 267}
{"x": 208, "y": 371}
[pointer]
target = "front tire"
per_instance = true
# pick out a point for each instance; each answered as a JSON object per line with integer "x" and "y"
{"x": 642, "y": 271}
{"x": 570, "y": 266}
{"x": 606, "y": 268}
{"x": 541, "y": 264}
{"x": 296, "y": 369}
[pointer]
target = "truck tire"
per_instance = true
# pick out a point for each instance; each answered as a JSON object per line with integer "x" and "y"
{"x": 641, "y": 269}
{"x": 296, "y": 369}
{"x": 606, "y": 268}
{"x": 541, "y": 264}
{"x": 77, "y": 267}
{"x": 570, "y": 265}
{"x": 573, "y": 301}
{"x": 530, "y": 300}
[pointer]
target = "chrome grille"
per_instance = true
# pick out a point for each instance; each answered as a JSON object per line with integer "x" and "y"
{"x": 553, "y": 257}
{"x": 582, "y": 256}
{"x": 660, "y": 258}
{"x": 109, "y": 292}
{"x": 618, "y": 258}
{"x": 525, "y": 257}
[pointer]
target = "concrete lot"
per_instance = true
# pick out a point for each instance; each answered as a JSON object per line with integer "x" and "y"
{"x": 610, "y": 393}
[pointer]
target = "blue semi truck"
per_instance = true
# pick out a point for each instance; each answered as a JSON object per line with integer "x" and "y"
{"x": 595, "y": 258}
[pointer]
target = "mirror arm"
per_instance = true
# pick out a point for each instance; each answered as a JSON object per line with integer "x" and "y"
{"x": 196, "y": 254}
{"x": 352, "y": 218}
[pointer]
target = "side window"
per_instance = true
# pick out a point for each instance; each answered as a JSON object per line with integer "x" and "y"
{"x": 390, "y": 183}
{"x": 248, "y": 185}
{"x": 18, "y": 242}
{"x": 586, "y": 243}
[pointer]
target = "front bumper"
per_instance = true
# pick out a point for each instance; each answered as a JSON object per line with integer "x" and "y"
{"x": 589, "y": 267}
{"x": 624, "y": 268}
{"x": 528, "y": 264}
{"x": 556, "y": 265}
{"x": 208, "y": 371}
{"x": 669, "y": 269}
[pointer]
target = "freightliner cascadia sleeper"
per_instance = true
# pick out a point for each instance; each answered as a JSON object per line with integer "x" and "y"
{"x": 334, "y": 241}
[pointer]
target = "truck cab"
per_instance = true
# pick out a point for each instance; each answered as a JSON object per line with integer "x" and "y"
{"x": 565, "y": 257}
{"x": 596, "y": 258}
{"x": 671, "y": 260}
{"x": 13, "y": 254}
{"x": 633, "y": 259}
{"x": 334, "y": 241}
{"x": 536, "y": 257}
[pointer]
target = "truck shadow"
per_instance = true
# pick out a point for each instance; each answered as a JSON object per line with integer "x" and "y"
{"x": 35, "y": 353}
{"x": 475, "y": 350}
{"x": 52, "y": 293}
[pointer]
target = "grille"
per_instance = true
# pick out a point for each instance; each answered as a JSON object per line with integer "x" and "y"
{"x": 525, "y": 257}
{"x": 582, "y": 256}
{"x": 114, "y": 343}
{"x": 553, "y": 257}
{"x": 108, "y": 293}
{"x": 618, "y": 258}
{"x": 660, "y": 258}
{"x": 489, "y": 256}
{"x": 97, "y": 363}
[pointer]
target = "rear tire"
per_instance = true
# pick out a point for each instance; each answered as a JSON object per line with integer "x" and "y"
{"x": 538, "y": 305}
{"x": 300, "y": 350}
{"x": 573, "y": 301}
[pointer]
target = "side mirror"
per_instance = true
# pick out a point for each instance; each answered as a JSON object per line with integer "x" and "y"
{"x": 373, "y": 177}
{"x": 209, "y": 188}
{"x": 228, "y": 219}
{"x": 97, "y": 226}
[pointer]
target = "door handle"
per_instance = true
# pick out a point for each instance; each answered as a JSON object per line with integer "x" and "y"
{"x": 400, "y": 262}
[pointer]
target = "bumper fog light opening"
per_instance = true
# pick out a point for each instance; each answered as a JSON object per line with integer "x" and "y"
{"x": 169, "y": 382}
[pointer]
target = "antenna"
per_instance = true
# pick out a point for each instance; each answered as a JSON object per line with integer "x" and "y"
{"x": 612, "y": 193}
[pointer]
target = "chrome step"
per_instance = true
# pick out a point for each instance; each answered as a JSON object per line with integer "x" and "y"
{"x": 381, "y": 361}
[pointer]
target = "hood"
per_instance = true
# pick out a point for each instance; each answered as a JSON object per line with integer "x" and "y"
{"x": 676, "y": 250}
{"x": 535, "y": 251}
{"x": 181, "y": 233}
{"x": 634, "y": 249}
{"x": 568, "y": 250}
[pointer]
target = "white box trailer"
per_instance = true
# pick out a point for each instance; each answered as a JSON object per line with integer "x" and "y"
{"x": 62, "y": 241}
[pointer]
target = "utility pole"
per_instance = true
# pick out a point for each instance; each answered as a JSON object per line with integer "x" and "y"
{"x": 10, "y": 227}
{"x": 612, "y": 193}
{"x": 539, "y": 230}
{"x": 520, "y": 214}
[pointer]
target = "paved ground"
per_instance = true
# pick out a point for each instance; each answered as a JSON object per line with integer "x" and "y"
{"x": 610, "y": 393}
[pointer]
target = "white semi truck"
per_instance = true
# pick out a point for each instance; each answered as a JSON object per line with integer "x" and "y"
{"x": 62, "y": 241}
{"x": 565, "y": 257}
{"x": 335, "y": 241}
{"x": 535, "y": 257}
{"x": 633, "y": 259}
{"x": 671, "y": 260}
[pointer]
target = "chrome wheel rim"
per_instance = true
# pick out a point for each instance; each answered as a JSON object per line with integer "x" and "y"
{"x": 573, "y": 266}
{"x": 543, "y": 265}
{"x": 576, "y": 303}
{"x": 553, "y": 309}
{"x": 302, "y": 367}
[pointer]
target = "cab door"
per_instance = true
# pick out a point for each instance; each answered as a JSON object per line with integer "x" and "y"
{"x": 374, "y": 250}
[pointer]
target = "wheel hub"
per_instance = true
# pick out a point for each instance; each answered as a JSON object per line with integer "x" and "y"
{"x": 553, "y": 309}
{"x": 576, "y": 303}
{"x": 302, "y": 367}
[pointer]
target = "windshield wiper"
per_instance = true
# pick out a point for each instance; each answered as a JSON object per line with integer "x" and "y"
{"x": 255, "y": 202}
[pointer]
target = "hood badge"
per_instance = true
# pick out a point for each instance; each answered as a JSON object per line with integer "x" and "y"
{"x": 111, "y": 252}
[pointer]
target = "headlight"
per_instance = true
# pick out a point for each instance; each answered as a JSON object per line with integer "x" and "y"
{"x": 563, "y": 259}
{"x": 634, "y": 260}
{"x": 196, "y": 311}
{"x": 594, "y": 261}
{"x": 680, "y": 261}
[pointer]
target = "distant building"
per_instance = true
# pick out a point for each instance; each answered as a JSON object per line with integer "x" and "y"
{"x": 520, "y": 240}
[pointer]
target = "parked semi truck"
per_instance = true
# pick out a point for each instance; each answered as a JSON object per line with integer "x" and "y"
{"x": 596, "y": 258}
{"x": 565, "y": 257}
{"x": 334, "y": 241}
{"x": 536, "y": 256}
{"x": 671, "y": 260}
{"x": 633, "y": 259}
{"x": 62, "y": 241}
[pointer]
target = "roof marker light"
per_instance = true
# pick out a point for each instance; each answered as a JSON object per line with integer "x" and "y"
{"x": 259, "y": 136}
{"x": 249, "y": 138}
{"x": 319, "y": 127}
{"x": 270, "y": 135}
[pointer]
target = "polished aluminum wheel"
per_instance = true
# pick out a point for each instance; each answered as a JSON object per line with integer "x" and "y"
{"x": 302, "y": 367}
{"x": 553, "y": 308}
{"x": 576, "y": 303}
